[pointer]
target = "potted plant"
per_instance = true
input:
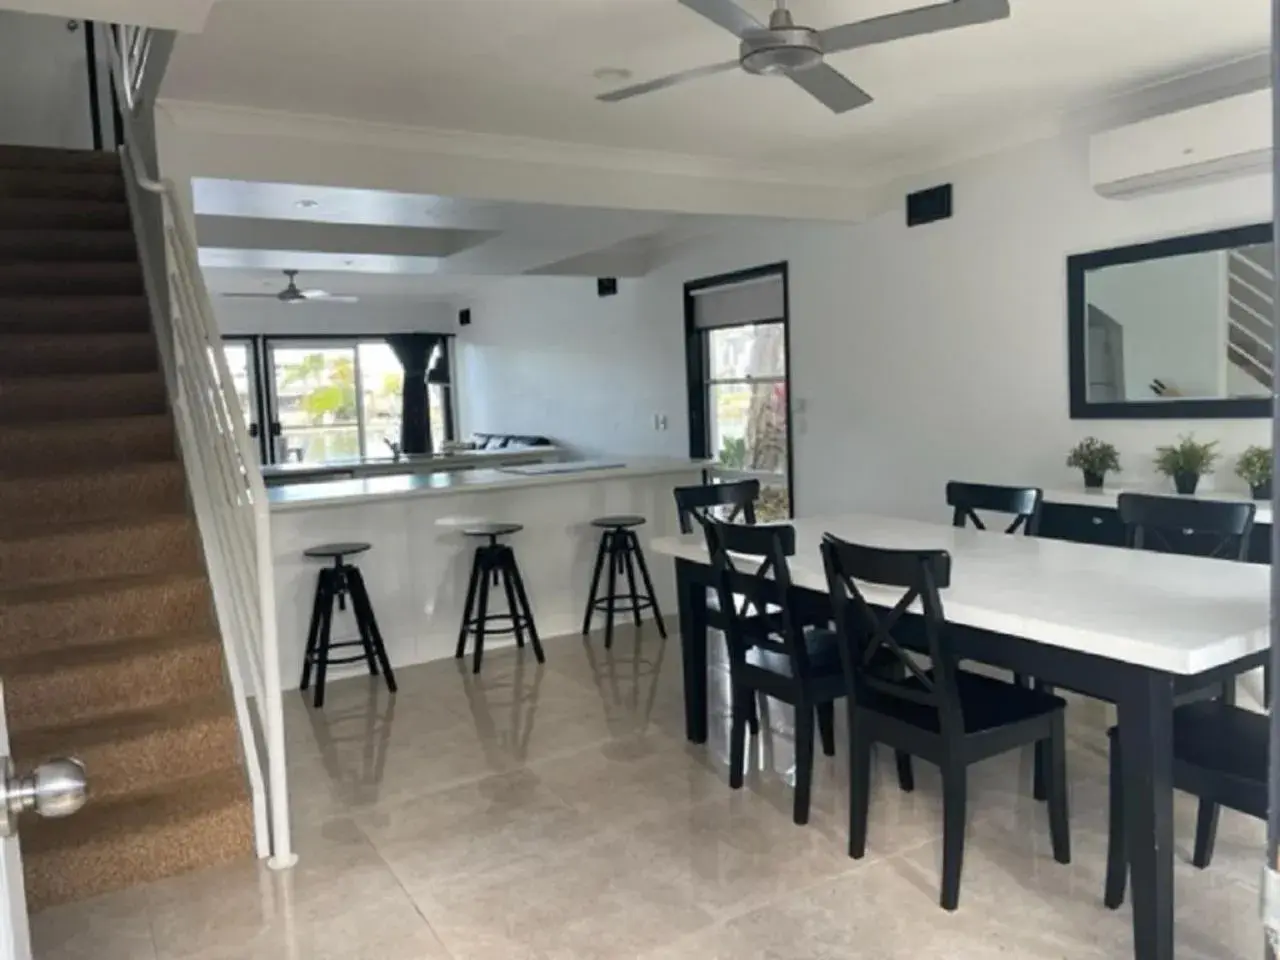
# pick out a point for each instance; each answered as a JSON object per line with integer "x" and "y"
{"x": 1254, "y": 468}
{"x": 1096, "y": 458}
{"x": 1187, "y": 461}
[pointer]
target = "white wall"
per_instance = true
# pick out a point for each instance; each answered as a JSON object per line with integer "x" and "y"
{"x": 941, "y": 351}
{"x": 44, "y": 83}
{"x": 546, "y": 355}
{"x": 370, "y": 315}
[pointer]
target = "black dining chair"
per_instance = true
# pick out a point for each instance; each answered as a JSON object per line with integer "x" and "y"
{"x": 1219, "y": 755}
{"x": 944, "y": 715}
{"x": 1021, "y": 503}
{"x": 772, "y": 655}
{"x": 1202, "y": 528}
{"x": 732, "y": 502}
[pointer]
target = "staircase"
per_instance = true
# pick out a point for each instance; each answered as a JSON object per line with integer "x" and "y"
{"x": 109, "y": 648}
{"x": 1251, "y": 312}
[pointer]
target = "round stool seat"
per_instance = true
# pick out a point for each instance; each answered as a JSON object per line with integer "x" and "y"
{"x": 618, "y": 523}
{"x": 491, "y": 529}
{"x": 336, "y": 551}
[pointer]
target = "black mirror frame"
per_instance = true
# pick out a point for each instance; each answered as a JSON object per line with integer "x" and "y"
{"x": 1189, "y": 408}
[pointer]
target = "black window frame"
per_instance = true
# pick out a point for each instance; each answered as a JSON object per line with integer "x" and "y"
{"x": 697, "y": 363}
{"x": 260, "y": 351}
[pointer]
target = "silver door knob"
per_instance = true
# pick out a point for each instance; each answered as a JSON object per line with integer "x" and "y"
{"x": 55, "y": 789}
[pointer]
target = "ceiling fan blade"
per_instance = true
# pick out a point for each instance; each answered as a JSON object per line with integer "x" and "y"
{"x": 252, "y": 296}
{"x": 626, "y": 93}
{"x": 327, "y": 298}
{"x": 727, "y": 14}
{"x": 832, "y": 88}
{"x": 913, "y": 23}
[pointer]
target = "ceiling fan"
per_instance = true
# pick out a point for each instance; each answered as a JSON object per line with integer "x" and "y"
{"x": 292, "y": 295}
{"x": 782, "y": 48}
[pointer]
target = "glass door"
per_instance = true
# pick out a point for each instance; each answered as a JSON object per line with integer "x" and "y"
{"x": 242, "y": 360}
{"x": 316, "y": 401}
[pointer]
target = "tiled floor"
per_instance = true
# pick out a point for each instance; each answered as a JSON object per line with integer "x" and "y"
{"x": 557, "y": 813}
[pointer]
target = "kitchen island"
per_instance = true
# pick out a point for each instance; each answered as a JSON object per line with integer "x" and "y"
{"x": 418, "y": 568}
{"x": 280, "y": 474}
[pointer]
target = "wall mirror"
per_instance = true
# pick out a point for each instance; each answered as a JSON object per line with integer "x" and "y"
{"x": 1177, "y": 328}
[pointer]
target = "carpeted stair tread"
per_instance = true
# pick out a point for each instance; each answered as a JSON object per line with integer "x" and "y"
{"x": 52, "y": 278}
{"x": 40, "y": 618}
{"x": 136, "y": 545}
{"x": 102, "y": 680}
{"x": 62, "y": 184}
{"x": 81, "y": 396}
{"x": 120, "y": 843}
{"x": 51, "y": 213}
{"x": 55, "y": 354}
{"x": 21, "y": 157}
{"x": 67, "y": 244}
{"x": 109, "y": 643}
{"x": 82, "y": 492}
{"x": 55, "y": 447}
{"x": 72, "y": 314}
{"x": 140, "y": 750}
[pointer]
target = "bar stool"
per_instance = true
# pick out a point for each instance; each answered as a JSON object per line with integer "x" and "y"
{"x": 620, "y": 548}
{"x": 495, "y": 562}
{"x": 334, "y": 584}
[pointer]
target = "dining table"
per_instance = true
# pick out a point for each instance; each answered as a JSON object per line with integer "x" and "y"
{"x": 1127, "y": 626}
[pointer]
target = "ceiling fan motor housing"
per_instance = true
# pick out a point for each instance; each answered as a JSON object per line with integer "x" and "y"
{"x": 781, "y": 49}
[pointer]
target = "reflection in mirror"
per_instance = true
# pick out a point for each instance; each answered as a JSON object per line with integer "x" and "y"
{"x": 1194, "y": 326}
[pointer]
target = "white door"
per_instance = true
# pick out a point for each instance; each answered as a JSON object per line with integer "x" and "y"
{"x": 55, "y": 789}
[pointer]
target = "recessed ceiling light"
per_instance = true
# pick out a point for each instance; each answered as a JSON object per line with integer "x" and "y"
{"x": 612, "y": 74}
{"x": 307, "y": 204}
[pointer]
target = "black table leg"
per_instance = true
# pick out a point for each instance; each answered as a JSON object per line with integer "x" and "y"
{"x": 692, "y": 594}
{"x": 1145, "y": 712}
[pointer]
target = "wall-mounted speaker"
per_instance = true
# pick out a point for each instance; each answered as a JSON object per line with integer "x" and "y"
{"x": 607, "y": 286}
{"x": 464, "y": 317}
{"x": 928, "y": 206}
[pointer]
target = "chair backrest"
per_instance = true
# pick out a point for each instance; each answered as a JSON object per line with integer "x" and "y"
{"x": 1221, "y": 527}
{"x": 753, "y": 578}
{"x": 1023, "y": 503}
{"x": 730, "y": 502}
{"x": 867, "y": 638}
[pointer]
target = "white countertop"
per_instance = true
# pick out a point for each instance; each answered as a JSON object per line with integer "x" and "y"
{"x": 1165, "y": 611}
{"x": 1106, "y": 498}
{"x": 349, "y": 492}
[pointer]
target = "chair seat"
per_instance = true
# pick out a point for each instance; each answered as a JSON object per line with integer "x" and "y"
{"x": 491, "y": 529}
{"x": 823, "y": 649}
{"x": 987, "y": 703}
{"x": 620, "y": 522}
{"x": 1221, "y": 738}
{"x": 330, "y": 551}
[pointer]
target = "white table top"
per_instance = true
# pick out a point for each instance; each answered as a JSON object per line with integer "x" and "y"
{"x": 1164, "y": 611}
{"x": 1106, "y": 498}
{"x": 350, "y": 492}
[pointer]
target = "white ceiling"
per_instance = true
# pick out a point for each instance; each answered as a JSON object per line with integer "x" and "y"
{"x": 524, "y": 68}
{"x": 379, "y": 243}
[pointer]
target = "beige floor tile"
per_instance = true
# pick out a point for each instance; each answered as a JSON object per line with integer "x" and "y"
{"x": 557, "y": 813}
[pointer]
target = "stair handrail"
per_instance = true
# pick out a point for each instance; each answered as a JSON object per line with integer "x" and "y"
{"x": 224, "y": 475}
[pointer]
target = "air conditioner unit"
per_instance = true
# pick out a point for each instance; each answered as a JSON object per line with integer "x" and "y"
{"x": 1218, "y": 141}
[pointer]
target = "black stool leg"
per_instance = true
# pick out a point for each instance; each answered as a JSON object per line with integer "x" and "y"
{"x": 326, "y": 627}
{"x": 472, "y": 585}
{"x": 347, "y": 575}
{"x": 615, "y": 557}
{"x": 627, "y": 549}
{"x": 313, "y": 631}
{"x": 648, "y": 586}
{"x": 364, "y": 615}
{"x": 483, "y": 612}
{"x": 595, "y": 583}
{"x": 526, "y": 611}
{"x": 506, "y": 565}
